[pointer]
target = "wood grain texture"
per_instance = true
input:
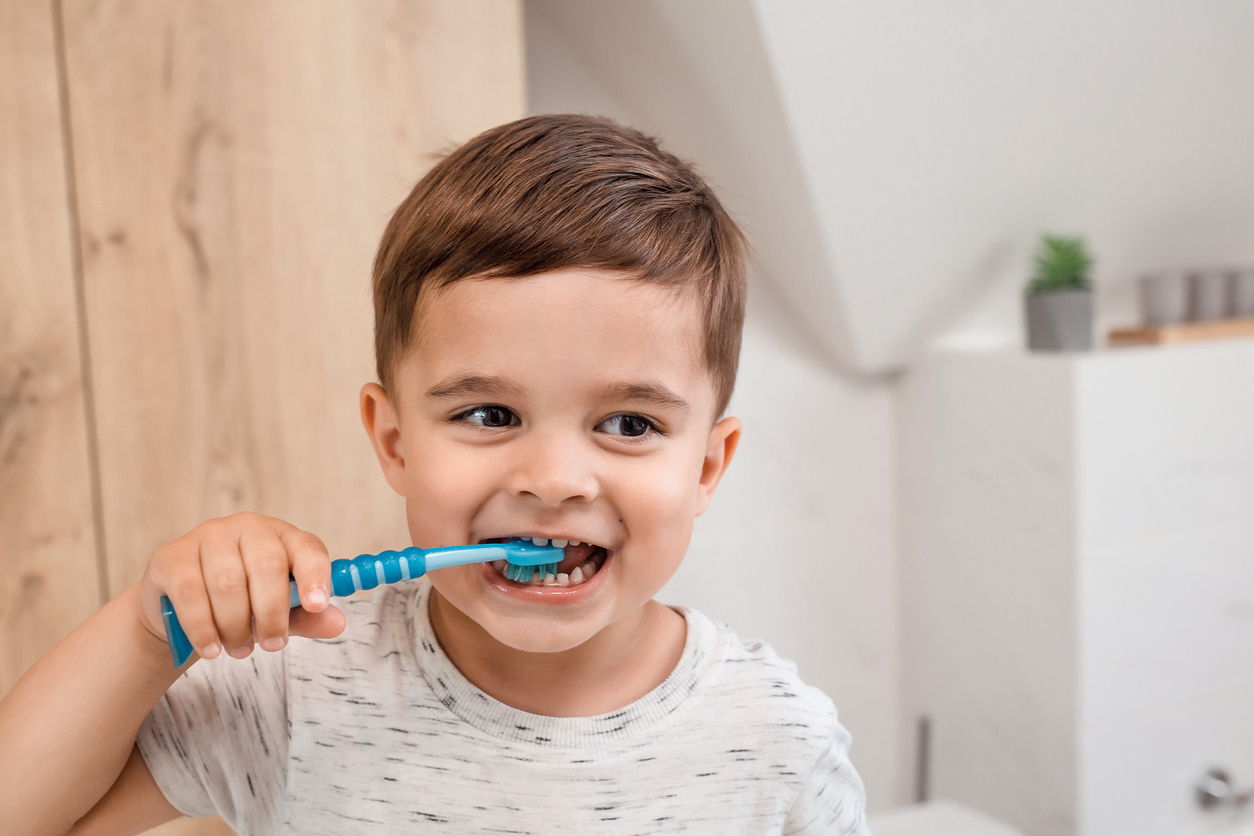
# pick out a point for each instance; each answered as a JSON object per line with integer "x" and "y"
{"x": 237, "y": 163}
{"x": 48, "y": 564}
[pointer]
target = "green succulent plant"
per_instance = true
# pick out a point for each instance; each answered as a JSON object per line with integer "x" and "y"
{"x": 1061, "y": 263}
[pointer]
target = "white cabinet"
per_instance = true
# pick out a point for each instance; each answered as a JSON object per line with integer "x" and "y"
{"x": 1078, "y": 581}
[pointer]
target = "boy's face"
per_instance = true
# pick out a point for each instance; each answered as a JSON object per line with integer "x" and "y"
{"x": 572, "y": 405}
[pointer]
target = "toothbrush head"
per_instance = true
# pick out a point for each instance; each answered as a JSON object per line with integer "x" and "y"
{"x": 523, "y": 558}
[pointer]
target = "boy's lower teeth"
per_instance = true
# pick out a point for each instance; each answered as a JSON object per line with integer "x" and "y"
{"x": 577, "y": 576}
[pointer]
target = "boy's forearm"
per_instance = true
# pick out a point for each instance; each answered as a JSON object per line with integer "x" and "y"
{"x": 68, "y": 725}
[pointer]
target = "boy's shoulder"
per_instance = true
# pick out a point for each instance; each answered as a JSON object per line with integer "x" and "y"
{"x": 754, "y": 664}
{"x": 753, "y": 683}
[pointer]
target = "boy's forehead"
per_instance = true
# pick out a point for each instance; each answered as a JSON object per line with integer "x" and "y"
{"x": 567, "y": 327}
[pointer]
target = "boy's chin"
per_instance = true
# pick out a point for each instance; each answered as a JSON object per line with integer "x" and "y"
{"x": 541, "y": 637}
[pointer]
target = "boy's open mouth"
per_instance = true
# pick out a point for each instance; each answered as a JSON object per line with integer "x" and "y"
{"x": 580, "y": 562}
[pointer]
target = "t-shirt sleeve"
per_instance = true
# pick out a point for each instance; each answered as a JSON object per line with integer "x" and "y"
{"x": 217, "y": 741}
{"x": 832, "y": 800}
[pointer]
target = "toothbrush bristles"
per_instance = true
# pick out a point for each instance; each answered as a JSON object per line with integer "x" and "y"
{"x": 523, "y": 574}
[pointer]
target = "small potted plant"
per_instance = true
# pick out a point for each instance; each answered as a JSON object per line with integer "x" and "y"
{"x": 1059, "y": 300}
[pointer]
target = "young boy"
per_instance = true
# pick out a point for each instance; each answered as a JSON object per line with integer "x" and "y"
{"x": 558, "y": 308}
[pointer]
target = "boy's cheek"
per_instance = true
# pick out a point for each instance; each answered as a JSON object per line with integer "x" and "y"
{"x": 659, "y": 493}
{"x": 435, "y": 521}
{"x": 439, "y": 482}
{"x": 437, "y": 517}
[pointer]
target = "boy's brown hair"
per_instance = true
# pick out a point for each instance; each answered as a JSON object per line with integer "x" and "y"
{"x": 560, "y": 191}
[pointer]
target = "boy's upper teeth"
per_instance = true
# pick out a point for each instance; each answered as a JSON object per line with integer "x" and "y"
{"x": 556, "y": 542}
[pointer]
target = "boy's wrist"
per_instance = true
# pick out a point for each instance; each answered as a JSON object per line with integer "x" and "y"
{"x": 152, "y": 647}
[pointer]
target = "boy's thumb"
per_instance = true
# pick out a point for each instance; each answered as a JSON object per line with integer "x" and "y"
{"x": 316, "y": 625}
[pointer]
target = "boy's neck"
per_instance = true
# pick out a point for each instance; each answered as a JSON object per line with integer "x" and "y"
{"x": 616, "y": 667}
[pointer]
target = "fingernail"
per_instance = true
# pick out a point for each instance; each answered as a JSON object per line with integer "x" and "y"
{"x": 241, "y": 652}
{"x": 210, "y": 650}
{"x": 273, "y": 643}
{"x": 317, "y": 597}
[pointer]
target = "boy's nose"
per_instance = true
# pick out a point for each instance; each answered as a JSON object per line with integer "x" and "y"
{"x": 554, "y": 471}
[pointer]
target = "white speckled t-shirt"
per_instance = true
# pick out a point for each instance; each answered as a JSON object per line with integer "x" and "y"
{"x": 376, "y": 731}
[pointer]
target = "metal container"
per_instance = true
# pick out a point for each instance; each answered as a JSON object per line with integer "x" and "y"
{"x": 1164, "y": 298}
{"x": 1210, "y": 294}
{"x": 1243, "y": 293}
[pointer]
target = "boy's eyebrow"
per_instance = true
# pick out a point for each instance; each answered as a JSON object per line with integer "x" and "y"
{"x": 474, "y": 384}
{"x": 650, "y": 391}
{"x": 645, "y": 390}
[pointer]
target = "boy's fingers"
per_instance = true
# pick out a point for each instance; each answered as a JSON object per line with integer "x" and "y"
{"x": 185, "y": 587}
{"x": 266, "y": 561}
{"x": 311, "y": 566}
{"x": 317, "y": 625}
{"x": 227, "y": 583}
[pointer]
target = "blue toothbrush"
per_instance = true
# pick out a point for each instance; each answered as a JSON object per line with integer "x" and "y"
{"x": 367, "y": 571}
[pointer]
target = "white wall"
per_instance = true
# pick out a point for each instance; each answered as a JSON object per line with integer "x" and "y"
{"x": 797, "y": 547}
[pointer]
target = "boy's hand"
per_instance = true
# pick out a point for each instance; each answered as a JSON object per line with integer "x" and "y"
{"x": 228, "y": 582}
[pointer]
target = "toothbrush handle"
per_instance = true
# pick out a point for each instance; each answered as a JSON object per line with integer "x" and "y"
{"x": 365, "y": 571}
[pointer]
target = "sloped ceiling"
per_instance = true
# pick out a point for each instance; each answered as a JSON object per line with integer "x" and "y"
{"x": 895, "y": 163}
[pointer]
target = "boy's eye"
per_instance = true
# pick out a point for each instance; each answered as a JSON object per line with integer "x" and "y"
{"x": 631, "y": 426}
{"x": 490, "y": 416}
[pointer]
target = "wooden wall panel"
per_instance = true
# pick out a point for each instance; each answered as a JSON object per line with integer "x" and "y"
{"x": 48, "y": 564}
{"x": 237, "y": 162}
{"x": 236, "y": 165}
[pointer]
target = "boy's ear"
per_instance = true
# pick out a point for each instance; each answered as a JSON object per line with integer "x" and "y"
{"x": 724, "y": 437}
{"x": 384, "y": 428}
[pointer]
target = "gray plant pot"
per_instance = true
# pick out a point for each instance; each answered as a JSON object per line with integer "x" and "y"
{"x": 1061, "y": 320}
